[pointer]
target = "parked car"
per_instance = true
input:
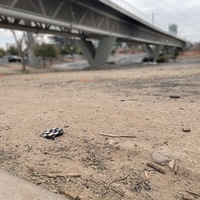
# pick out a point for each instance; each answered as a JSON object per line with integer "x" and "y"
{"x": 13, "y": 58}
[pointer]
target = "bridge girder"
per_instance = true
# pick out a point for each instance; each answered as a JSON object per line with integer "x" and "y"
{"x": 82, "y": 19}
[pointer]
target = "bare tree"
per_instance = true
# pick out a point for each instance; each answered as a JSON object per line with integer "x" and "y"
{"x": 22, "y": 45}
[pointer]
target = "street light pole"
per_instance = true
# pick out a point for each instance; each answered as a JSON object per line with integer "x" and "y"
{"x": 153, "y": 18}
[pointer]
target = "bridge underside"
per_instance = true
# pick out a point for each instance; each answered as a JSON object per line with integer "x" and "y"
{"x": 80, "y": 19}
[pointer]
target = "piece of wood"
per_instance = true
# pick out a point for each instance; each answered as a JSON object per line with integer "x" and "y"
{"x": 66, "y": 194}
{"x": 156, "y": 167}
{"x": 61, "y": 175}
{"x": 118, "y": 136}
{"x": 175, "y": 97}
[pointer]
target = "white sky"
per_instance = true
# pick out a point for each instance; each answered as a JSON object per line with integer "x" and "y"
{"x": 184, "y": 13}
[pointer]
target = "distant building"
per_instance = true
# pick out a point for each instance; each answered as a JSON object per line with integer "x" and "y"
{"x": 60, "y": 41}
{"x": 173, "y": 29}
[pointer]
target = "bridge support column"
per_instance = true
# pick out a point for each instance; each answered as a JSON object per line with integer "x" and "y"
{"x": 97, "y": 57}
{"x": 153, "y": 53}
{"x": 149, "y": 51}
{"x": 32, "y": 60}
{"x": 171, "y": 50}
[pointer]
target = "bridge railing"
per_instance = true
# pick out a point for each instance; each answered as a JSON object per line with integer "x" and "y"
{"x": 127, "y": 6}
{"x": 131, "y": 9}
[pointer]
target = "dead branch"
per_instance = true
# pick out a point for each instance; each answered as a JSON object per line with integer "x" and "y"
{"x": 61, "y": 175}
{"x": 118, "y": 136}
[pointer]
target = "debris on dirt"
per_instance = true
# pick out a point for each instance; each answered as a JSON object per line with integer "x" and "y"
{"x": 66, "y": 126}
{"x": 172, "y": 164}
{"x": 118, "y": 136}
{"x": 162, "y": 158}
{"x": 52, "y": 133}
{"x": 137, "y": 182}
{"x": 133, "y": 181}
{"x": 31, "y": 170}
{"x": 186, "y": 129}
{"x": 187, "y": 195}
{"x": 117, "y": 179}
{"x": 146, "y": 174}
{"x": 61, "y": 175}
{"x": 52, "y": 175}
{"x": 29, "y": 147}
{"x": 156, "y": 167}
{"x": 195, "y": 194}
{"x": 68, "y": 195}
{"x": 174, "y": 97}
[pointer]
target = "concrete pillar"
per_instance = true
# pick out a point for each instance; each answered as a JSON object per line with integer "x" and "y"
{"x": 157, "y": 51}
{"x": 171, "y": 50}
{"x": 32, "y": 60}
{"x": 148, "y": 51}
{"x": 153, "y": 53}
{"x": 97, "y": 57}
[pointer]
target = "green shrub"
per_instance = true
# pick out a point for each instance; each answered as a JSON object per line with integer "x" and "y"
{"x": 148, "y": 59}
{"x": 161, "y": 59}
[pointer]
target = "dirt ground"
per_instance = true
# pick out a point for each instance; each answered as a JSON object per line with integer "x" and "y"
{"x": 123, "y": 102}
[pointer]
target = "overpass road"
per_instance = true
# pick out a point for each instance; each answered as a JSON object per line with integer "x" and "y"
{"x": 86, "y": 20}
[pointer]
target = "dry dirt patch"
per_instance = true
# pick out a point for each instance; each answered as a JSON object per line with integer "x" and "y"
{"x": 132, "y": 102}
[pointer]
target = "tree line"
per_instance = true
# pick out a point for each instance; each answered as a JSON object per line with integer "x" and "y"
{"x": 43, "y": 51}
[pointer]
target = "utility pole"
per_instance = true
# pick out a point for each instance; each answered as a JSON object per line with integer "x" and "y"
{"x": 153, "y": 18}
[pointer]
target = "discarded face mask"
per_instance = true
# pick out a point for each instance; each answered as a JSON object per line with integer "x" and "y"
{"x": 52, "y": 133}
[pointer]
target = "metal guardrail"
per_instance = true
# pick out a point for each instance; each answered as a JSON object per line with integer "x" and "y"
{"x": 131, "y": 9}
{"x": 127, "y": 6}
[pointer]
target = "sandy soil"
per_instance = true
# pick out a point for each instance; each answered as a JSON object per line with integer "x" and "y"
{"x": 133, "y": 102}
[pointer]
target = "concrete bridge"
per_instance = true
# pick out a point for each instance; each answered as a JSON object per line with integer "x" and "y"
{"x": 86, "y": 20}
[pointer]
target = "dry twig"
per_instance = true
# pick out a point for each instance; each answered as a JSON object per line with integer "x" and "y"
{"x": 117, "y": 191}
{"x": 117, "y": 179}
{"x": 61, "y": 175}
{"x": 31, "y": 170}
{"x": 118, "y": 136}
{"x": 193, "y": 193}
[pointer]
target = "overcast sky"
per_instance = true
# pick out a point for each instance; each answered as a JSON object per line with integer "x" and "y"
{"x": 184, "y": 13}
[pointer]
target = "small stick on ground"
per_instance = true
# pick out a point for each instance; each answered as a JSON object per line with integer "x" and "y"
{"x": 31, "y": 170}
{"x": 117, "y": 179}
{"x": 175, "y": 97}
{"x": 118, "y": 192}
{"x": 118, "y": 136}
{"x": 66, "y": 194}
{"x": 61, "y": 175}
{"x": 193, "y": 193}
{"x": 156, "y": 167}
